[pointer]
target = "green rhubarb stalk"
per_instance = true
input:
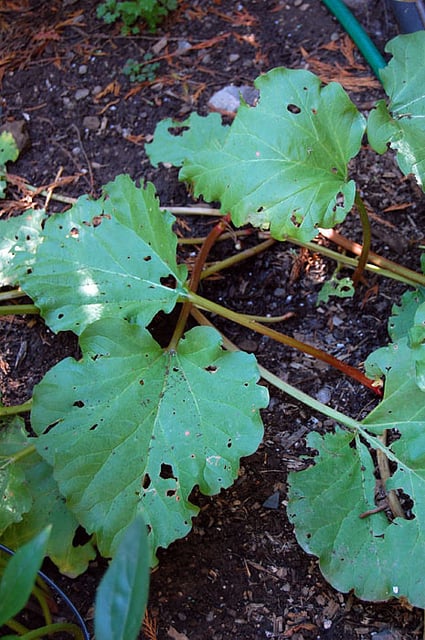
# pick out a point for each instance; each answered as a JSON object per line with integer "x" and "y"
{"x": 18, "y": 309}
{"x": 282, "y": 338}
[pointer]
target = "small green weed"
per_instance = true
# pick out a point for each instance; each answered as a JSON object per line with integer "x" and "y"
{"x": 141, "y": 71}
{"x": 152, "y": 12}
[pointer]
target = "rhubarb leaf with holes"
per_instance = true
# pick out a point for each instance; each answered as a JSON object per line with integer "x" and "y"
{"x": 339, "y": 494}
{"x": 115, "y": 256}
{"x": 283, "y": 163}
{"x": 19, "y": 238}
{"x": 178, "y": 143}
{"x": 31, "y": 502}
{"x": 401, "y": 123}
{"x": 332, "y": 506}
{"x": 160, "y": 423}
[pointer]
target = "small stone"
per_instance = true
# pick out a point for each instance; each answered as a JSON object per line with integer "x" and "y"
{"x": 91, "y": 122}
{"x": 80, "y": 94}
{"x": 304, "y": 6}
{"x": 97, "y": 89}
{"x": 272, "y": 501}
{"x": 323, "y": 395}
{"x": 19, "y": 132}
{"x": 67, "y": 103}
{"x": 159, "y": 46}
{"x": 183, "y": 47}
{"x": 248, "y": 345}
{"x": 82, "y": 69}
{"x": 234, "y": 57}
{"x": 228, "y": 99}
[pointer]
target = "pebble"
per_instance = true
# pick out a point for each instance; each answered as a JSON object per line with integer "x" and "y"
{"x": 91, "y": 122}
{"x": 323, "y": 395}
{"x": 228, "y": 98}
{"x": 80, "y": 94}
{"x": 273, "y": 501}
{"x": 248, "y": 345}
{"x": 159, "y": 46}
{"x": 234, "y": 57}
{"x": 67, "y": 103}
{"x": 82, "y": 69}
{"x": 183, "y": 47}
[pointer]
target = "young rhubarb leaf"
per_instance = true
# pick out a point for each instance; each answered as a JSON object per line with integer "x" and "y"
{"x": 19, "y": 238}
{"x": 133, "y": 426}
{"x": 36, "y": 503}
{"x": 401, "y": 124}
{"x": 115, "y": 256}
{"x": 283, "y": 163}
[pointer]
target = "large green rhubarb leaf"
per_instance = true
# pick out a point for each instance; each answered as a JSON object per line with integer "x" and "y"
{"x": 31, "y": 501}
{"x": 19, "y": 239}
{"x": 283, "y": 163}
{"x": 181, "y": 142}
{"x": 332, "y": 503}
{"x": 133, "y": 426}
{"x": 110, "y": 257}
{"x": 401, "y": 124}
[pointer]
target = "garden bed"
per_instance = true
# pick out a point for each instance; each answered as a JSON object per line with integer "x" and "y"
{"x": 240, "y": 573}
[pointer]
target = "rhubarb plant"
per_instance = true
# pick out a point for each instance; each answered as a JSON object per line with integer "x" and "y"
{"x": 283, "y": 166}
{"x": 134, "y": 425}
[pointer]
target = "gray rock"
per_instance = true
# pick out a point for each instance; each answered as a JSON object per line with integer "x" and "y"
{"x": 91, "y": 122}
{"x": 80, "y": 94}
{"x": 228, "y": 99}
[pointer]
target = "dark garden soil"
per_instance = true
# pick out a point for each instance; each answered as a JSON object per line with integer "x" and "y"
{"x": 240, "y": 574}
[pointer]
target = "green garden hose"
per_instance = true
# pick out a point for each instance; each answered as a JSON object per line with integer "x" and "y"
{"x": 357, "y": 34}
